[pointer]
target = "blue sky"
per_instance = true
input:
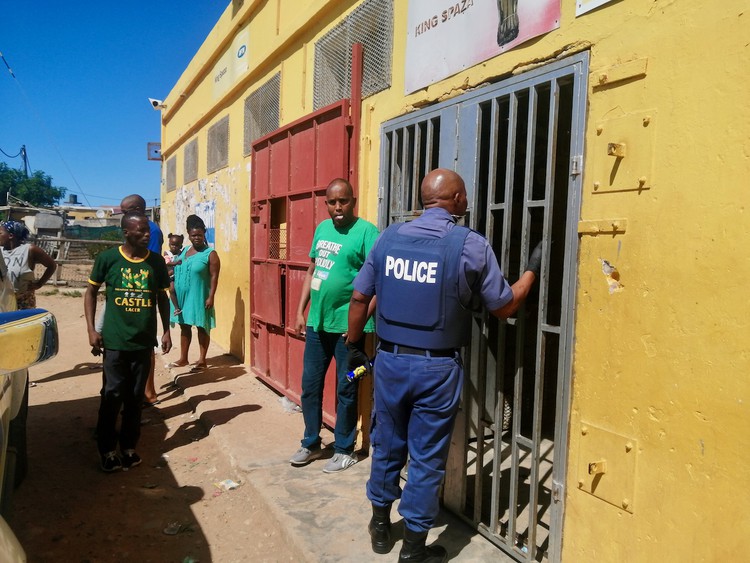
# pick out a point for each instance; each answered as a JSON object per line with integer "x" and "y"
{"x": 84, "y": 73}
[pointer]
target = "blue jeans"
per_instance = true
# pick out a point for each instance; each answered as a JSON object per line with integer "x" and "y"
{"x": 320, "y": 348}
{"x": 416, "y": 402}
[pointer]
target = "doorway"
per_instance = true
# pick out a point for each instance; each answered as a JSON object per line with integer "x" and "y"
{"x": 518, "y": 144}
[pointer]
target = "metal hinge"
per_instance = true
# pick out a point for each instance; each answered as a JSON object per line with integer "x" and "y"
{"x": 576, "y": 165}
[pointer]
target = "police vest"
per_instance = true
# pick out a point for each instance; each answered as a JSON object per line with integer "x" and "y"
{"x": 417, "y": 290}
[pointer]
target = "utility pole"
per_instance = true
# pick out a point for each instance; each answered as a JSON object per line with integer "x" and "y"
{"x": 25, "y": 159}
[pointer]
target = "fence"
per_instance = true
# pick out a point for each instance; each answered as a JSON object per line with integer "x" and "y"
{"x": 74, "y": 258}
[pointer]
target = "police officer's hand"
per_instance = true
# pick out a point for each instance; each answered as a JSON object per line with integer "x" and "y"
{"x": 535, "y": 260}
{"x": 356, "y": 356}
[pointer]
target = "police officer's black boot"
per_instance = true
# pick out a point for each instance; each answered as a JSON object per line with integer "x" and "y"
{"x": 414, "y": 549}
{"x": 380, "y": 529}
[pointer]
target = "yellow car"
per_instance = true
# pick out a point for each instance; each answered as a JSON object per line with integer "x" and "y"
{"x": 27, "y": 337}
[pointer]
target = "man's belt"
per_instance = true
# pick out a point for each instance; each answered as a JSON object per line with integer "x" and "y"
{"x": 392, "y": 348}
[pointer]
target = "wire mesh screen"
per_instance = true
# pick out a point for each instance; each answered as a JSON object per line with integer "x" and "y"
{"x": 218, "y": 144}
{"x": 370, "y": 24}
{"x": 172, "y": 173}
{"x": 277, "y": 244}
{"x": 191, "y": 161}
{"x": 262, "y": 112}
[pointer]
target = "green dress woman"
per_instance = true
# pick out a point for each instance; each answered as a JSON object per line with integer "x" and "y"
{"x": 195, "y": 281}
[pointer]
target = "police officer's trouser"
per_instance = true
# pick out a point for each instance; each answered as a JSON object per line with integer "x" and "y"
{"x": 416, "y": 400}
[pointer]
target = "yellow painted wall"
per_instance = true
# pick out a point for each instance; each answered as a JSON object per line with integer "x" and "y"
{"x": 662, "y": 361}
{"x": 193, "y": 106}
{"x": 662, "y": 356}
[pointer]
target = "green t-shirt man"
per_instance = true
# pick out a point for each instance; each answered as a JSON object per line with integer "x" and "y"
{"x": 130, "y": 318}
{"x": 339, "y": 254}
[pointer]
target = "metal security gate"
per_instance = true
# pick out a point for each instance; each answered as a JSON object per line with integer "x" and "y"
{"x": 518, "y": 145}
{"x": 291, "y": 168}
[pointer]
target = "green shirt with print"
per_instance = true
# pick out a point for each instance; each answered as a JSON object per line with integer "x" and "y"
{"x": 338, "y": 254}
{"x": 133, "y": 285}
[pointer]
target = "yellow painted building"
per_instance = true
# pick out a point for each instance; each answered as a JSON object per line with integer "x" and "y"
{"x": 619, "y": 129}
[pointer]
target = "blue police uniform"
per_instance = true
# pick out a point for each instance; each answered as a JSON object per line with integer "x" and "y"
{"x": 157, "y": 238}
{"x": 426, "y": 275}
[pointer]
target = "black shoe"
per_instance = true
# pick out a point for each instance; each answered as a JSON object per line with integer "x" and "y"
{"x": 414, "y": 549}
{"x": 130, "y": 459}
{"x": 111, "y": 462}
{"x": 380, "y": 529}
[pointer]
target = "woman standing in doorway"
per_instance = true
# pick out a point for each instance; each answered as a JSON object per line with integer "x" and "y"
{"x": 194, "y": 286}
{"x": 21, "y": 258}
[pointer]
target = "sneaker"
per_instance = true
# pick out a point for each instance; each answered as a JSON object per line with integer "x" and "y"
{"x": 304, "y": 455}
{"x": 339, "y": 462}
{"x": 130, "y": 459}
{"x": 111, "y": 462}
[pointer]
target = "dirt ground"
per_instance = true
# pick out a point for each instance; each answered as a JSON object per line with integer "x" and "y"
{"x": 173, "y": 507}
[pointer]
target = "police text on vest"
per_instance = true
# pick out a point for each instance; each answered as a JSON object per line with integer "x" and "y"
{"x": 411, "y": 270}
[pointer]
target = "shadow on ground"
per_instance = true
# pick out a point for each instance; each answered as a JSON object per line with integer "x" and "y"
{"x": 67, "y": 509}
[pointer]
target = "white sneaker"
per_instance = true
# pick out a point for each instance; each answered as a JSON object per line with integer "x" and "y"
{"x": 304, "y": 456}
{"x": 340, "y": 462}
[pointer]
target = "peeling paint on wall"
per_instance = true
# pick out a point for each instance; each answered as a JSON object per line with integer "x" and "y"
{"x": 206, "y": 210}
{"x": 184, "y": 205}
{"x": 612, "y": 275}
{"x": 215, "y": 203}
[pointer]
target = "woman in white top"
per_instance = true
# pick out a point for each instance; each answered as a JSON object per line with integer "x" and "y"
{"x": 21, "y": 258}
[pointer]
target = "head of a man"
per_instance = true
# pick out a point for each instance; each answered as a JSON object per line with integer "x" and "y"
{"x": 133, "y": 204}
{"x": 340, "y": 202}
{"x": 444, "y": 188}
{"x": 135, "y": 230}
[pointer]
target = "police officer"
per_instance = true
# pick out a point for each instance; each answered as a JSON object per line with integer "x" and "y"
{"x": 424, "y": 274}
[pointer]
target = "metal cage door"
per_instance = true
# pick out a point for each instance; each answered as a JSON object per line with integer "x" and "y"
{"x": 518, "y": 145}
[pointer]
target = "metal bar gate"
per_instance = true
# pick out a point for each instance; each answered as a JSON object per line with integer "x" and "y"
{"x": 518, "y": 145}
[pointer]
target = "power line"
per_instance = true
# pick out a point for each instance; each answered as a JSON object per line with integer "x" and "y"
{"x": 54, "y": 144}
{"x": 28, "y": 103}
{"x": 10, "y": 70}
{"x": 24, "y": 157}
{"x": 9, "y": 156}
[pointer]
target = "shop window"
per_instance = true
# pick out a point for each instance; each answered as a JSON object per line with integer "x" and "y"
{"x": 172, "y": 174}
{"x": 218, "y": 145}
{"x": 262, "y": 112}
{"x": 190, "y": 170}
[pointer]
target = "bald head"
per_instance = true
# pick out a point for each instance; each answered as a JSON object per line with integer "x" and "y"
{"x": 133, "y": 203}
{"x": 444, "y": 188}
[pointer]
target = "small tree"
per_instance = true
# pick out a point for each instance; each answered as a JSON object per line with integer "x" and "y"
{"x": 37, "y": 189}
